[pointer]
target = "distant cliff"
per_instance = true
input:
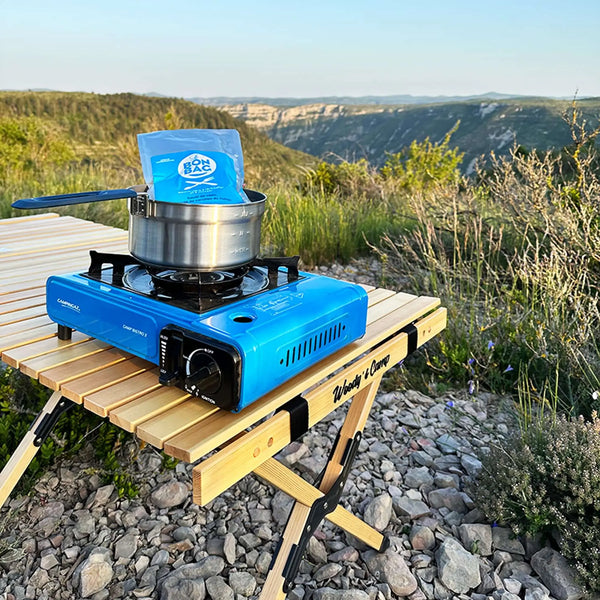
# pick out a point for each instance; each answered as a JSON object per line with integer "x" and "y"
{"x": 351, "y": 132}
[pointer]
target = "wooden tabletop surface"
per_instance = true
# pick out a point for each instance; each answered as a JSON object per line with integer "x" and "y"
{"x": 113, "y": 383}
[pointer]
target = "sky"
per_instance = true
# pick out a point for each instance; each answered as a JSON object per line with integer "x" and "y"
{"x": 303, "y": 48}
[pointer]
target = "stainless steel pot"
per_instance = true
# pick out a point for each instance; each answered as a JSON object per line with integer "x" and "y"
{"x": 195, "y": 237}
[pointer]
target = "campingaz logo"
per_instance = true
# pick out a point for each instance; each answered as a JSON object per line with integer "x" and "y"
{"x": 68, "y": 304}
{"x": 197, "y": 170}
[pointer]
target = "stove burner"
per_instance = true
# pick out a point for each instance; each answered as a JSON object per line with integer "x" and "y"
{"x": 190, "y": 283}
{"x": 191, "y": 290}
{"x": 217, "y": 285}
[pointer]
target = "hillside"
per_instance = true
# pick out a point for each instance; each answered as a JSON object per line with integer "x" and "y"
{"x": 101, "y": 129}
{"x": 352, "y": 132}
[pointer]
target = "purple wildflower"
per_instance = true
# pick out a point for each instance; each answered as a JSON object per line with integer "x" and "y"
{"x": 491, "y": 345}
{"x": 508, "y": 369}
{"x": 471, "y": 387}
{"x": 450, "y": 404}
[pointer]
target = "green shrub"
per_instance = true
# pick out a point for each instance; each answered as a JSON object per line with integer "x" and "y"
{"x": 546, "y": 479}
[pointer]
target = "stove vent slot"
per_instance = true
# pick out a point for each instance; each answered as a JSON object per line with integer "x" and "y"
{"x": 312, "y": 344}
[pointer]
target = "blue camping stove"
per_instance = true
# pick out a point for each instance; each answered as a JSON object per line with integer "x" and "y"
{"x": 228, "y": 337}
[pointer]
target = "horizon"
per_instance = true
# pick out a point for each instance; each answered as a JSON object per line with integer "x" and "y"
{"x": 489, "y": 95}
{"x": 317, "y": 49}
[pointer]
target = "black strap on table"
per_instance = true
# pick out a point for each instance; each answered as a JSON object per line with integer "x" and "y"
{"x": 298, "y": 409}
{"x": 413, "y": 337}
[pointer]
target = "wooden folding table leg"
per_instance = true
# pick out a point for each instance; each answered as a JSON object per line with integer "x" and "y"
{"x": 279, "y": 579}
{"x": 30, "y": 444}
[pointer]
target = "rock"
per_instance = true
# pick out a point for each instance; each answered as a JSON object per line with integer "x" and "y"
{"x": 184, "y": 533}
{"x": 207, "y": 567}
{"x": 446, "y": 480}
{"x": 504, "y": 539}
{"x": 217, "y": 589}
{"x": 126, "y": 546}
{"x": 418, "y": 476}
{"x": 292, "y": 453}
{"x": 447, "y": 444}
{"x": 242, "y": 583}
{"x": 477, "y": 538}
{"x": 249, "y": 541}
{"x": 229, "y": 548}
{"x": 316, "y": 550}
{"x": 281, "y": 505}
{"x": 458, "y": 569}
{"x": 93, "y": 574}
{"x": 422, "y": 458}
{"x": 421, "y": 538}
{"x": 471, "y": 465}
{"x": 390, "y": 568}
{"x": 101, "y": 496}
{"x": 170, "y": 494}
{"x": 327, "y": 571}
{"x": 512, "y": 585}
{"x": 160, "y": 559}
{"x": 331, "y": 594}
{"x": 48, "y": 560}
{"x": 448, "y": 497}
{"x": 411, "y": 508}
{"x": 379, "y": 512}
{"x": 176, "y": 588}
{"x": 263, "y": 562}
{"x": 555, "y": 572}
{"x": 53, "y": 510}
{"x": 536, "y": 594}
{"x": 347, "y": 554}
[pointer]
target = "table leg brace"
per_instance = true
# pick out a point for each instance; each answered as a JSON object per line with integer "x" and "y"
{"x": 31, "y": 443}
{"x": 304, "y": 519}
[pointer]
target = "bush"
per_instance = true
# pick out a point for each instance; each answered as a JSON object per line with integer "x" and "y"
{"x": 546, "y": 479}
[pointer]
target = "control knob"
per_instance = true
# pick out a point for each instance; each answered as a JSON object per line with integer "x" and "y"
{"x": 203, "y": 374}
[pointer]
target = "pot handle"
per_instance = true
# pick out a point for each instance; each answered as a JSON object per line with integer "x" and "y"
{"x": 80, "y": 198}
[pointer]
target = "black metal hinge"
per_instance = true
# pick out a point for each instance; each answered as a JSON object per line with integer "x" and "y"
{"x": 42, "y": 431}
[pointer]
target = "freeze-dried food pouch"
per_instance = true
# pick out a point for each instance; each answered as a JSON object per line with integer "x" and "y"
{"x": 193, "y": 165}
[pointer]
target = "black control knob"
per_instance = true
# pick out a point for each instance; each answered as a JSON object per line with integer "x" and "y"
{"x": 203, "y": 373}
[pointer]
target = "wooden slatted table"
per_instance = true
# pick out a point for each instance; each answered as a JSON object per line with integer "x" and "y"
{"x": 114, "y": 384}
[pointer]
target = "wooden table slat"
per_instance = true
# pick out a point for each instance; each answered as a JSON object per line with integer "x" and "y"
{"x": 55, "y": 377}
{"x": 105, "y": 400}
{"x": 145, "y": 407}
{"x": 22, "y": 295}
{"x": 12, "y": 221}
{"x": 34, "y": 366}
{"x": 22, "y": 304}
{"x": 23, "y": 314}
{"x": 24, "y": 326}
{"x": 15, "y": 356}
{"x": 75, "y": 241}
{"x": 157, "y": 430}
{"x": 85, "y": 385}
{"x": 21, "y": 338}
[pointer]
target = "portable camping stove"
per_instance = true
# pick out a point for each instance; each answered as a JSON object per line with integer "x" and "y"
{"x": 228, "y": 337}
